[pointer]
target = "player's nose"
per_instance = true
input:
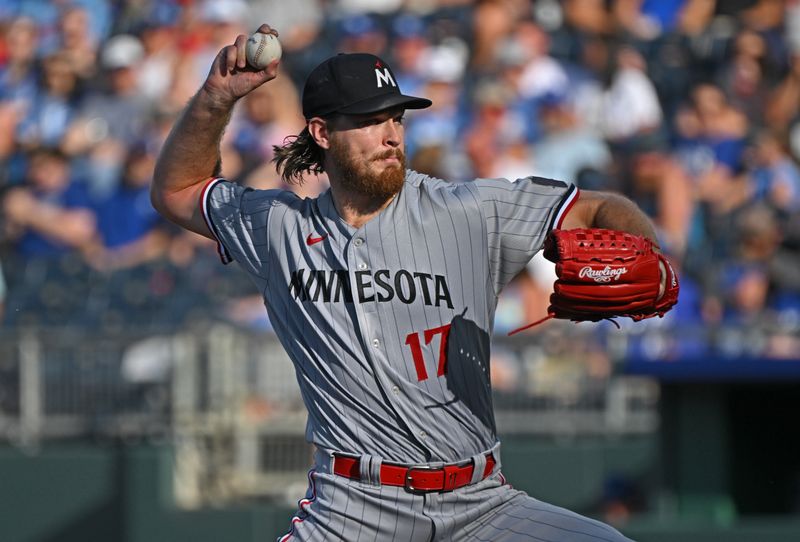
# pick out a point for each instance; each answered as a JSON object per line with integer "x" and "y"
{"x": 392, "y": 133}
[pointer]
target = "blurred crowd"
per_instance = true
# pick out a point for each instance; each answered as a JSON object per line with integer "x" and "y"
{"x": 689, "y": 107}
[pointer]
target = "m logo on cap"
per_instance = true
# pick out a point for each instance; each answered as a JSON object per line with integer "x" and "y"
{"x": 384, "y": 77}
{"x": 344, "y": 84}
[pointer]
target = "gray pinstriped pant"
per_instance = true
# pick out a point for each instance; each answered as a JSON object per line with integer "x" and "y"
{"x": 337, "y": 508}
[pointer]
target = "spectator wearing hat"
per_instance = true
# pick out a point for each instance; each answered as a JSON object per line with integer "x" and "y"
{"x": 112, "y": 118}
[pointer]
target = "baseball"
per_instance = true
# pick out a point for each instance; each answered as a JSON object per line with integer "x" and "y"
{"x": 262, "y": 49}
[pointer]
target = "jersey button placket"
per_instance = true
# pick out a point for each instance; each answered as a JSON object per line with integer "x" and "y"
{"x": 358, "y": 242}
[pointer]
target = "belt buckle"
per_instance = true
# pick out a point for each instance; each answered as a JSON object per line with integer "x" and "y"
{"x": 407, "y": 482}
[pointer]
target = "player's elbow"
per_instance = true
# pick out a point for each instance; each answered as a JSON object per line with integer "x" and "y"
{"x": 159, "y": 201}
{"x": 157, "y": 198}
{"x": 176, "y": 206}
{"x": 181, "y": 207}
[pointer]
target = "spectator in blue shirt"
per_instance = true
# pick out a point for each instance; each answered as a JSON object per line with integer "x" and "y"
{"x": 50, "y": 214}
{"x": 128, "y": 226}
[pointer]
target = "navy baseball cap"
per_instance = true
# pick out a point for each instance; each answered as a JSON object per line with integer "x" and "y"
{"x": 354, "y": 84}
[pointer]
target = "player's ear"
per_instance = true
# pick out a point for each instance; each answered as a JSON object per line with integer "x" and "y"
{"x": 319, "y": 130}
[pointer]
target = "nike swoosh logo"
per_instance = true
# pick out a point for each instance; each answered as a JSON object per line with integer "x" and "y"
{"x": 311, "y": 240}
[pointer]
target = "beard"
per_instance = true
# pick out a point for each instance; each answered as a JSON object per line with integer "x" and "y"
{"x": 357, "y": 176}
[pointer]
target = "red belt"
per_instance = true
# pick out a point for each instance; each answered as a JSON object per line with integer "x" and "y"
{"x": 419, "y": 478}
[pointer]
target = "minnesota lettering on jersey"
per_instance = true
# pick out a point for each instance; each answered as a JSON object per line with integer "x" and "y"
{"x": 382, "y": 286}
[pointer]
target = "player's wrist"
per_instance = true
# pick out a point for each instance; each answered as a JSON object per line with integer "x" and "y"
{"x": 214, "y": 100}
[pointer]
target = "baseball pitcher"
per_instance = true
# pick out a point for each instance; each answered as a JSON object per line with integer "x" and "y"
{"x": 383, "y": 292}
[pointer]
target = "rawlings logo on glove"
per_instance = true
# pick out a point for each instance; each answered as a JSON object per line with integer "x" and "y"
{"x": 604, "y": 274}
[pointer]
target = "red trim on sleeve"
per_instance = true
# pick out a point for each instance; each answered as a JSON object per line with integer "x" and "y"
{"x": 204, "y": 193}
{"x": 565, "y": 208}
{"x": 202, "y": 201}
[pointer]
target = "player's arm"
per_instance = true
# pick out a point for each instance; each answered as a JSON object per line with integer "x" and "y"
{"x": 191, "y": 154}
{"x": 610, "y": 211}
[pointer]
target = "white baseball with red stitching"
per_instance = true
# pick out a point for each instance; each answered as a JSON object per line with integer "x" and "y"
{"x": 262, "y": 50}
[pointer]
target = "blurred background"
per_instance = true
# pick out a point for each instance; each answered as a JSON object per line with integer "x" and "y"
{"x": 143, "y": 395}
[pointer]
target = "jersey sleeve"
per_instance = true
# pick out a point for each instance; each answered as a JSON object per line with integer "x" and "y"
{"x": 237, "y": 217}
{"x": 518, "y": 217}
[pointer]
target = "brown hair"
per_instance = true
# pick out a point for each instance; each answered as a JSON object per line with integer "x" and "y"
{"x": 298, "y": 155}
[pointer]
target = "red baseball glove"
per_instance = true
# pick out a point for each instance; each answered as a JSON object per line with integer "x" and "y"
{"x": 603, "y": 274}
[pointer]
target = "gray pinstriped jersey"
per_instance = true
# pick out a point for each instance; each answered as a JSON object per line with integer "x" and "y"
{"x": 388, "y": 325}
